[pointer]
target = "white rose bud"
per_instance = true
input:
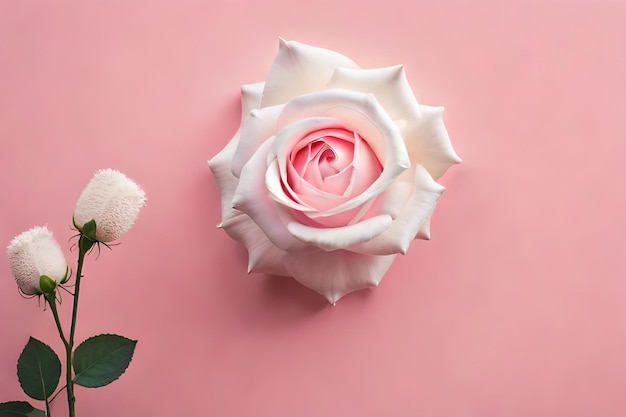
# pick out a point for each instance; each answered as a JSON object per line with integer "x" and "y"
{"x": 37, "y": 261}
{"x": 112, "y": 201}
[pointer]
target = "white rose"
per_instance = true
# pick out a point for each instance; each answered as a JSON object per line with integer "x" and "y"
{"x": 112, "y": 201}
{"x": 332, "y": 171}
{"x": 37, "y": 261}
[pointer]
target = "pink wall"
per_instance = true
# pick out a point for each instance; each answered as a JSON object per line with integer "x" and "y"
{"x": 514, "y": 308}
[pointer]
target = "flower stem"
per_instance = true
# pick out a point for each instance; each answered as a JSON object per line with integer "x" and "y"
{"x": 53, "y": 306}
{"x": 51, "y": 297}
{"x": 84, "y": 244}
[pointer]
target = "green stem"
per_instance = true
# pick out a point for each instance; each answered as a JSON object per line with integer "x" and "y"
{"x": 51, "y": 297}
{"x": 84, "y": 244}
{"x": 53, "y": 306}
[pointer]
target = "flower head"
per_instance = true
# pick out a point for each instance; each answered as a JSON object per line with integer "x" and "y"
{"x": 112, "y": 201}
{"x": 37, "y": 261}
{"x": 333, "y": 170}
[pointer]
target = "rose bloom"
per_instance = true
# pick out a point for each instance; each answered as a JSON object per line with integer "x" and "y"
{"x": 332, "y": 171}
{"x": 113, "y": 201}
{"x": 37, "y": 261}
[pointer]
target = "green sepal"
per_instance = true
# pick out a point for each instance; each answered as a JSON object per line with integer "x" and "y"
{"x": 66, "y": 277}
{"x": 84, "y": 243}
{"x": 102, "y": 359}
{"x": 89, "y": 229}
{"x": 38, "y": 370}
{"x": 19, "y": 409}
{"x": 47, "y": 284}
{"x": 87, "y": 235}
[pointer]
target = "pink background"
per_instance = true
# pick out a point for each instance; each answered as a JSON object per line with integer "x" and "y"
{"x": 514, "y": 308}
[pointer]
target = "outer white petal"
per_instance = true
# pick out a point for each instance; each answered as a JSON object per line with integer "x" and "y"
{"x": 335, "y": 274}
{"x": 263, "y": 256}
{"x": 334, "y": 238}
{"x": 424, "y": 232}
{"x": 299, "y": 69}
{"x": 389, "y": 85}
{"x": 259, "y": 126}
{"x": 428, "y": 142}
{"x": 416, "y": 212}
{"x": 358, "y": 112}
{"x": 224, "y": 179}
{"x": 252, "y": 198}
{"x": 251, "y": 95}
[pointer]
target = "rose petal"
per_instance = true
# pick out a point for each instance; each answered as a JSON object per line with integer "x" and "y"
{"x": 285, "y": 140}
{"x": 277, "y": 191}
{"x": 226, "y": 182}
{"x": 310, "y": 194}
{"x": 252, "y": 198}
{"x": 274, "y": 185}
{"x": 416, "y": 212}
{"x": 323, "y": 158}
{"x": 389, "y": 85}
{"x": 251, "y": 95}
{"x": 259, "y": 126}
{"x": 428, "y": 143}
{"x": 334, "y": 238}
{"x": 339, "y": 189}
{"x": 299, "y": 69}
{"x": 424, "y": 232}
{"x": 355, "y": 111}
{"x": 263, "y": 256}
{"x": 335, "y": 274}
{"x": 392, "y": 200}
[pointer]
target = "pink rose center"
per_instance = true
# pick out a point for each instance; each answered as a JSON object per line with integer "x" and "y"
{"x": 328, "y": 167}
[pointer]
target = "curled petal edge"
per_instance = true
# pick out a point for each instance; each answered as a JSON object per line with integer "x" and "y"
{"x": 224, "y": 179}
{"x": 337, "y": 273}
{"x": 335, "y": 238}
{"x": 256, "y": 128}
{"x": 388, "y": 84}
{"x": 251, "y": 197}
{"x": 298, "y": 69}
{"x": 428, "y": 142}
{"x": 413, "y": 218}
{"x": 263, "y": 256}
{"x": 251, "y": 95}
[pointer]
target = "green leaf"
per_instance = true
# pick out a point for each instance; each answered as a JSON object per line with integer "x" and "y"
{"x": 102, "y": 359}
{"x": 19, "y": 409}
{"x": 38, "y": 369}
{"x": 17, "y": 406}
{"x": 34, "y": 413}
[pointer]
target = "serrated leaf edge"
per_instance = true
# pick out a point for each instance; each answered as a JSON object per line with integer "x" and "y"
{"x": 39, "y": 366}
{"x": 134, "y": 343}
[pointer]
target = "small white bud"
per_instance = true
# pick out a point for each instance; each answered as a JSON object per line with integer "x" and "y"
{"x": 113, "y": 201}
{"x": 37, "y": 261}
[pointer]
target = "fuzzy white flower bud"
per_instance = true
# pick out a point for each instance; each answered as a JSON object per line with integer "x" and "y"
{"x": 37, "y": 262}
{"x": 113, "y": 201}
